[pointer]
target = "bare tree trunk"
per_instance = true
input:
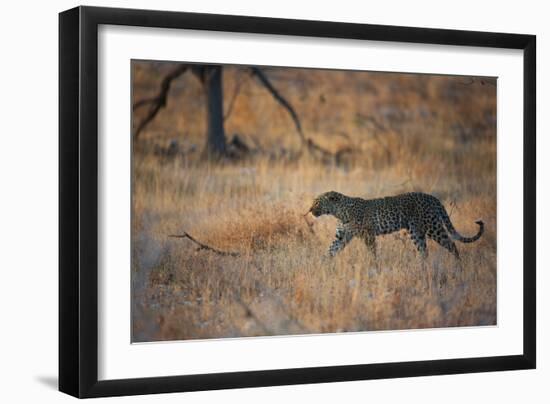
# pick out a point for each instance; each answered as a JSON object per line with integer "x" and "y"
{"x": 215, "y": 140}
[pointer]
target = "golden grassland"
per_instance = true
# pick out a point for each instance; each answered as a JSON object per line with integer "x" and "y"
{"x": 433, "y": 134}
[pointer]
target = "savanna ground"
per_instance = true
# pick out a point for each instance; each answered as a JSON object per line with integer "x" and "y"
{"x": 397, "y": 133}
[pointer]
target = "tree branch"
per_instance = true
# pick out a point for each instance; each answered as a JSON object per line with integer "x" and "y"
{"x": 378, "y": 127}
{"x": 281, "y": 100}
{"x": 312, "y": 147}
{"x": 203, "y": 246}
{"x": 157, "y": 102}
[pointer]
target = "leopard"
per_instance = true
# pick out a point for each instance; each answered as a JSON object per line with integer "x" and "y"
{"x": 422, "y": 215}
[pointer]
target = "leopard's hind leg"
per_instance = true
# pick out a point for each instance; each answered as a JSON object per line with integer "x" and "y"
{"x": 418, "y": 236}
{"x": 370, "y": 242}
{"x": 440, "y": 236}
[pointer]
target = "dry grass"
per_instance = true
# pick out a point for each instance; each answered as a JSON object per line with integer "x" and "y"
{"x": 438, "y": 136}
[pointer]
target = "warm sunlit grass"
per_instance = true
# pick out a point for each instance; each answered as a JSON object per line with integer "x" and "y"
{"x": 438, "y": 137}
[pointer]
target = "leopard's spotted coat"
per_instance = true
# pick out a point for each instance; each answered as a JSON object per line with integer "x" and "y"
{"x": 422, "y": 215}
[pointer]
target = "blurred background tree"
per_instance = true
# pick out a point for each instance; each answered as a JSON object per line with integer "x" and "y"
{"x": 211, "y": 78}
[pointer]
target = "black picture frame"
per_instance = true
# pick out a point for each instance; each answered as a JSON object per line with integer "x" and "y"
{"x": 78, "y": 201}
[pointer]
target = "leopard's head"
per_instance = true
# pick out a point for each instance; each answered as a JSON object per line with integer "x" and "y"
{"x": 328, "y": 203}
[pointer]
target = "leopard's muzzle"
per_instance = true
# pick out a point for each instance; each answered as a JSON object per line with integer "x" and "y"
{"x": 317, "y": 211}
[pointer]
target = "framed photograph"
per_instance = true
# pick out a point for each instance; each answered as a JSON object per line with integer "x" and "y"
{"x": 251, "y": 201}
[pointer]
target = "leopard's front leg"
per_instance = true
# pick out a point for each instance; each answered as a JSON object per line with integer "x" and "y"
{"x": 342, "y": 238}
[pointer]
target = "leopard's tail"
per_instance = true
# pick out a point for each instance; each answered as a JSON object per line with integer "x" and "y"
{"x": 455, "y": 234}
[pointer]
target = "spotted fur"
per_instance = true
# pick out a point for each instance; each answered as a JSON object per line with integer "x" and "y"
{"x": 422, "y": 215}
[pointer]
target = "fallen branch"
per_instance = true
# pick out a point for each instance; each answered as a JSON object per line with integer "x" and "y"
{"x": 159, "y": 101}
{"x": 203, "y": 246}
